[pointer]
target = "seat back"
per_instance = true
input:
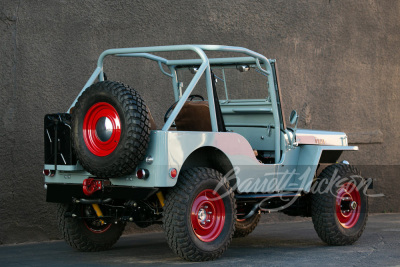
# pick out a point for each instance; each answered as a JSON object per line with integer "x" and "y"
{"x": 194, "y": 116}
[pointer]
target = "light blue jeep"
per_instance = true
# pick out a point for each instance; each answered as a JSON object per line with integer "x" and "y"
{"x": 216, "y": 164}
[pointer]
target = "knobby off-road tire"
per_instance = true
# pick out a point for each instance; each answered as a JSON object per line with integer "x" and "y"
{"x": 339, "y": 205}
{"x": 193, "y": 215}
{"x": 87, "y": 234}
{"x": 246, "y": 226}
{"x": 110, "y": 129}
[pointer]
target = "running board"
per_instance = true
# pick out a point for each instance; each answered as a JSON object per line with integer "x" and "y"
{"x": 257, "y": 206}
{"x": 247, "y": 196}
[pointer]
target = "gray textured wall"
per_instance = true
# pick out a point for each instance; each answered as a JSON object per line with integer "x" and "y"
{"x": 339, "y": 67}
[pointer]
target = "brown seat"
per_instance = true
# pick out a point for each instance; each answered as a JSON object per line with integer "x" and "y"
{"x": 194, "y": 116}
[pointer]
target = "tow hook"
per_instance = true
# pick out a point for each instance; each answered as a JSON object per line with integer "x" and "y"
{"x": 91, "y": 185}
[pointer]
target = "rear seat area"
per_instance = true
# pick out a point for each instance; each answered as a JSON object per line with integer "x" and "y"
{"x": 252, "y": 119}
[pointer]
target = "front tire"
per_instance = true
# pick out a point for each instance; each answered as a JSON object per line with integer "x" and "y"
{"x": 87, "y": 234}
{"x": 199, "y": 215}
{"x": 339, "y": 205}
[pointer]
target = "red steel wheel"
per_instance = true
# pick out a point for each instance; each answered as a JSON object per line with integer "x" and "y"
{"x": 348, "y": 205}
{"x": 208, "y": 215}
{"x": 97, "y": 229}
{"x": 101, "y": 129}
{"x": 94, "y": 225}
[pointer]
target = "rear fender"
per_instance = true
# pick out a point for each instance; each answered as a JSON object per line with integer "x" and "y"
{"x": 214, "y": 158}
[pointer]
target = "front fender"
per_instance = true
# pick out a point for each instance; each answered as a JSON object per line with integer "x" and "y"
{"x": 311, "y": 156}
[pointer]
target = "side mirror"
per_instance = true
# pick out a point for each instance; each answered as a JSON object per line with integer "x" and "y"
{"x": 193, "y": 70}
{"x": 294, "y": 119}
{"x": 243, "y": 68}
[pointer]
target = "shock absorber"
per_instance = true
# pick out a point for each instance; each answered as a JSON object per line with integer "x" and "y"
{"x": 160, "y": 198}
{"x": 99, "y": 214}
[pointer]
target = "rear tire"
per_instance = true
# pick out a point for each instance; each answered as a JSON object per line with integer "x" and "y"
{"x": 199, "y": 215}
{"x": 110, "y": 129}
{"x": 339, "y": 205}
{"x": 87, "y": 234}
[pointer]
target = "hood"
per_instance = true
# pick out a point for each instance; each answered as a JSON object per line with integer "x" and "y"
{"x": 315, "y": 137}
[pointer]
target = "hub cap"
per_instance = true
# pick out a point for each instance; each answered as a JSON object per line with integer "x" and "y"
{"x": 208, "y": 215}
{"x": 104, "y": 129}
{"x": 101, "y": 129}
{"x": 348, "y": 205}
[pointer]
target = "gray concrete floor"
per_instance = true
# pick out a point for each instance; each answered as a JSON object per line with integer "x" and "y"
{"x": 271, "y": 244}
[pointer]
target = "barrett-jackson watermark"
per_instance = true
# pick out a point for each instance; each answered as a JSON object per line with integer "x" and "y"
{"x": 291, "y": 181}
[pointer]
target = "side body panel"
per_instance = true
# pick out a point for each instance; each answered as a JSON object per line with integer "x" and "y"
{"x": 171, "y": 149}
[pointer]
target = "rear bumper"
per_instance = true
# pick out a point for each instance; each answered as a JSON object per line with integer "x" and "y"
{"x": 64, "y": 193}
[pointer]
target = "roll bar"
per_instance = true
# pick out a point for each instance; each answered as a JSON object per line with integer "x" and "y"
{"x": 204, "y": 62}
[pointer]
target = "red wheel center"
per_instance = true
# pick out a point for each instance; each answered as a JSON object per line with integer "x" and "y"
{"x": 348, "y": 205}
{"x": 101, "y": 129}
{"x": 208, "y": 215}
{"x": 94, "y": 225}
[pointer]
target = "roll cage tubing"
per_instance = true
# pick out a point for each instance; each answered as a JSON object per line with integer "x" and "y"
{"x": 204, "y": 63}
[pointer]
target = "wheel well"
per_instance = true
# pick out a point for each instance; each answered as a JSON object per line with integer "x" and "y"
{"x": 328, "y": 157}
{"x": 214, "y": 158}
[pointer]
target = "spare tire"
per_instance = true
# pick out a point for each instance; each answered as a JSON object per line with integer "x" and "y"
{"x": 110, "y": 129}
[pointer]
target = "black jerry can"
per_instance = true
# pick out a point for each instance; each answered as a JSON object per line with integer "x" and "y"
{"x": 57, "y": 140}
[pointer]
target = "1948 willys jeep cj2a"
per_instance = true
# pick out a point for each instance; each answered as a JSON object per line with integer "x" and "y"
{"x": 207, "y": 175}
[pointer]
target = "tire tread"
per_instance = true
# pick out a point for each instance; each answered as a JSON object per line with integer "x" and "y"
{"x": 174, "y": 215}
{"x": 323, "y": 217}
{"x": 76, "y": 238}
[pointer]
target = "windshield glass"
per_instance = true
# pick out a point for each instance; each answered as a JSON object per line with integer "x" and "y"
{"x": 232, "y": 82}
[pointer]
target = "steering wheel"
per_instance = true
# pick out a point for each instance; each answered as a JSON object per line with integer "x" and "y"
{"x": 190, "y": 98}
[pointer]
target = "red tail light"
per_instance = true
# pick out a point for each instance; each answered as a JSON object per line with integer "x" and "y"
{"x": 49, "y": 173}
{"x": 173, "y": 173}
{"x": 142, "y": 174}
